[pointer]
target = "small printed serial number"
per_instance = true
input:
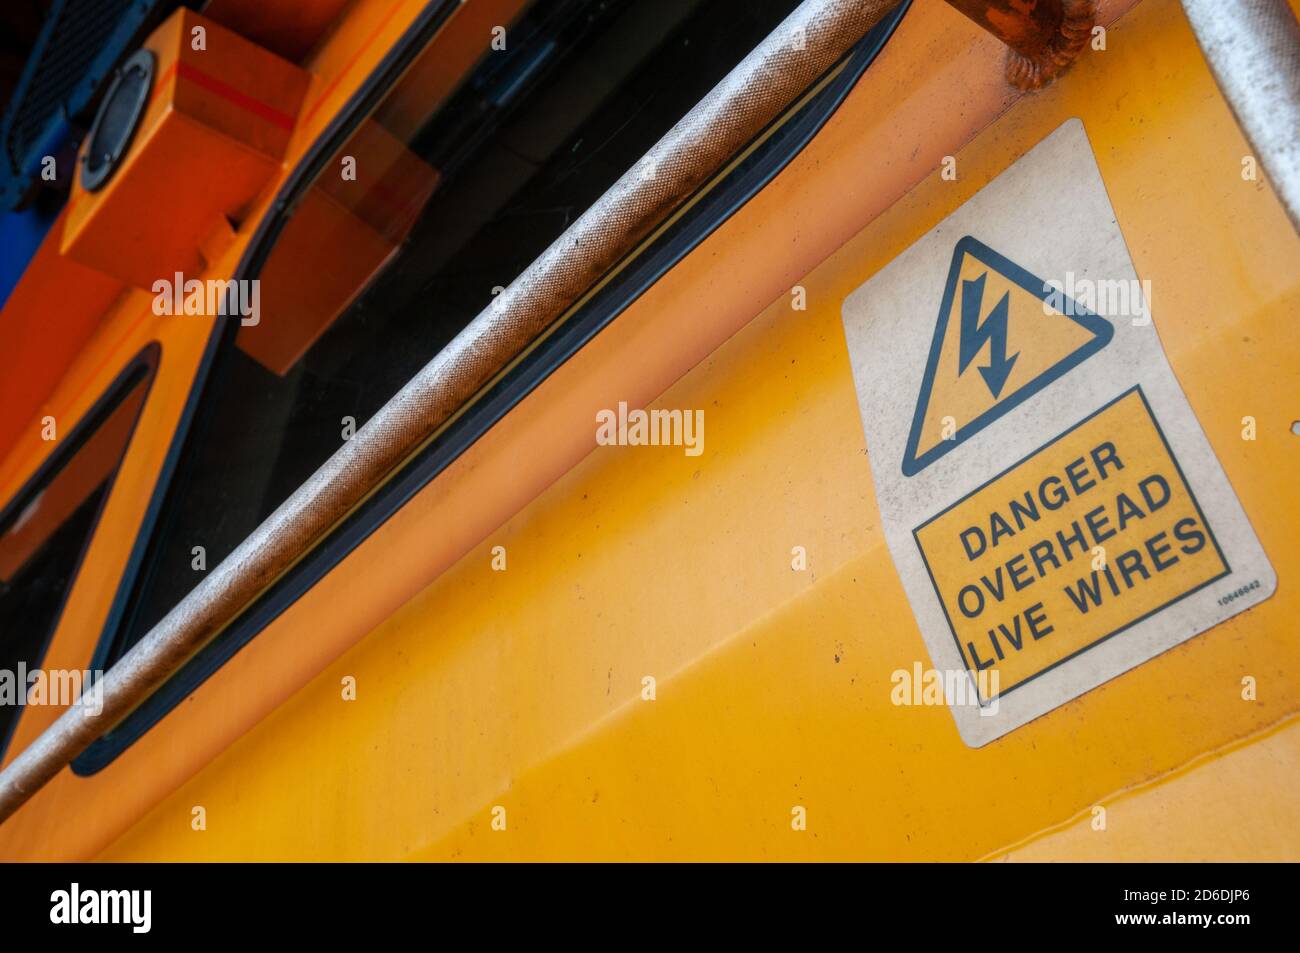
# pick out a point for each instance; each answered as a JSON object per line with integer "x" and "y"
{"x": 1238, "y": 593}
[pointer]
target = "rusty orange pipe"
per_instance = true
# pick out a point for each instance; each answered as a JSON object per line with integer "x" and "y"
{"x": 1043, "y": 36}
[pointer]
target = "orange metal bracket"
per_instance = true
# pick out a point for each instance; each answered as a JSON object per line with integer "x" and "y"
{"x": 1044, "y": 36}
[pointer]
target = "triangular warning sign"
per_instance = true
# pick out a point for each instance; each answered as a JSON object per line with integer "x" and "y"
{"x": 1002, "y": 336}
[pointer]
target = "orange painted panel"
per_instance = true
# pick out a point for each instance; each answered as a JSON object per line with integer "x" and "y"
{"x": 218, "y": 121}
{"x": 344, "y": 227}
{"x": 68, "y": 489}
{"x": 51, "y": 315}
{"x": 288, "y": 28}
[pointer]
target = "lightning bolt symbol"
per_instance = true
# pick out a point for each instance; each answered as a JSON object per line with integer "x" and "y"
{"x": 993, "y": 330}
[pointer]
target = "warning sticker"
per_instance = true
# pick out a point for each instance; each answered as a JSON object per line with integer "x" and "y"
{"x": 1109, "y": 485}
{"x": 980, "y": 276}
{"x": 1053, "y": 507}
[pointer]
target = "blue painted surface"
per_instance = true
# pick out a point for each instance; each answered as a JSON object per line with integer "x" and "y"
{"x": 21, "y": 233}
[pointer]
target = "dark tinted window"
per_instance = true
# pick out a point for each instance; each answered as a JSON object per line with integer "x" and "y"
{"x": 372, "y": 276}
{"x": 44, "y": 531}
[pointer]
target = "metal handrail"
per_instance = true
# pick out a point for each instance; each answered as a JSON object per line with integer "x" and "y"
{"x": 1253, "y": 48}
